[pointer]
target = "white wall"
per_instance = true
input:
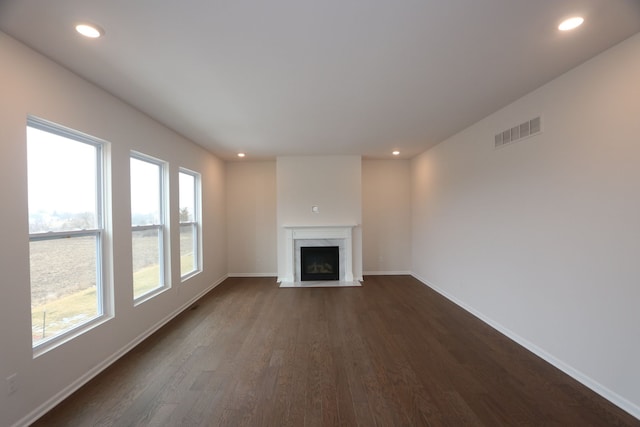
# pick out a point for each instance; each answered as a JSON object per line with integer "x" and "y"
{"x": 251, "y": 218}
{"x": 541, "y": 238}
{"x": 32, "y": 84}
{"x": 386, "y": 216}
{"x": 334, "y": 184}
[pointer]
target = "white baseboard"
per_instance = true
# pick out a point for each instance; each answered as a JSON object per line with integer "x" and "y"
{"x": 386, "y": 273}
{"x": 587, "y": 381}
{"x": 92, "y": 373}
{"x": 252, "y": 274}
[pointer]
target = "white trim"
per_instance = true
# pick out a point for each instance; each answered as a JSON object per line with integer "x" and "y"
{"x": 34, "y": 415}
{"x": 104, "y": 289}
{"x": 341, "y": 232}
{"x": 253, "y": 274}
{"x": 162, "y": 225}
{"x": 320, "y": 284}
{"x": 197, "y": 220}
{"x": 587, "y": 381}
{"x": 386, "y": 273}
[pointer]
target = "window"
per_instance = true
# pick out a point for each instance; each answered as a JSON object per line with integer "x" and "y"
{"x": 66, "y": 231}
{"x": 189, "y": 183}
{"x": 148, "y": 225}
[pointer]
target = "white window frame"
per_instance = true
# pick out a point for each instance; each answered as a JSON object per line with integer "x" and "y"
{"x": 104, "y": 303}
{"x": 195, "y": 224}
{"x": 161, "y": 228}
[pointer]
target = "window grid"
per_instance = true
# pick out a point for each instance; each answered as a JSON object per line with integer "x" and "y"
{"x": 40, "y": 341}
{"x": 190, "y": 258}
{"x": 145, "y": 286}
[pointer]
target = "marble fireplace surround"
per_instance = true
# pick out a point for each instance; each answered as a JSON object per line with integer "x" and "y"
{"x": 318, "y": 235}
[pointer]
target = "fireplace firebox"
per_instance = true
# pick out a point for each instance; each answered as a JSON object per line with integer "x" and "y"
{"x": 319, "y": 263}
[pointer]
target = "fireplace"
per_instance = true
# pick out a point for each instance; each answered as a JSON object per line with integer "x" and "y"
{"x": 319, "y": 263}
{"x": 298, "y": 237}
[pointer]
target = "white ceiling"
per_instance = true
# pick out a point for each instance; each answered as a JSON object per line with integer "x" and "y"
{"x": 303, "y": 77}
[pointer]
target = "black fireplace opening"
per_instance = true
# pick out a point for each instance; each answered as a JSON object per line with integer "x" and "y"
{"x": 319, "y": 263}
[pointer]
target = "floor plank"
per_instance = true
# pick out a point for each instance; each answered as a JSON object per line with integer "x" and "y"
{"x": 392, "y": 352}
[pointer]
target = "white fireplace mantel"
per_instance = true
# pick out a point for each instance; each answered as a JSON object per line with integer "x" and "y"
{"x": 342, "y": 233}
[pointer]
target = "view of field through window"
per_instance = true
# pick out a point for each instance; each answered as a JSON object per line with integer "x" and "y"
{"x": 64, "y": 231}
{"x": 189, "y": 235}
{"x": 65, "y": 228}
{"x": 147, "y": 221}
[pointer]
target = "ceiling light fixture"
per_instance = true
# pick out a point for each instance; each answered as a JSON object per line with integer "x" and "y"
{"x": 241, "y": 154}
{"x": 396, "y": 153}
{"x": 571, "y": 23}
{"x": 90, "y": 30}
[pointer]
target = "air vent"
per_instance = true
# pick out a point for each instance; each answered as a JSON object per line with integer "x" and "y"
{"x": 524, "y": 130}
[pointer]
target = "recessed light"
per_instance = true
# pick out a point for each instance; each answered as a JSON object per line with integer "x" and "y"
{"x": 571, "y": 23}
{"x": 241, "y": 154}
{"x": 90, "y": 30}
{"x": 396, "y": 153}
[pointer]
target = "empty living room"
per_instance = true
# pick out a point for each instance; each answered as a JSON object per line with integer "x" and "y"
{"x": 320, "y": 213}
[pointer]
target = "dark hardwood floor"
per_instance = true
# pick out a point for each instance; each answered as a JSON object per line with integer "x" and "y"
{"x": 392, "y": 352}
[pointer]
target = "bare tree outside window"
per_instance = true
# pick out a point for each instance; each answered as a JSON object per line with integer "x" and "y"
{"x": 189, "y": 184}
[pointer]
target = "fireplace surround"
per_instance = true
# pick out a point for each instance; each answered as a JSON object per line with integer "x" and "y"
{"x": 318, "y": 236}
